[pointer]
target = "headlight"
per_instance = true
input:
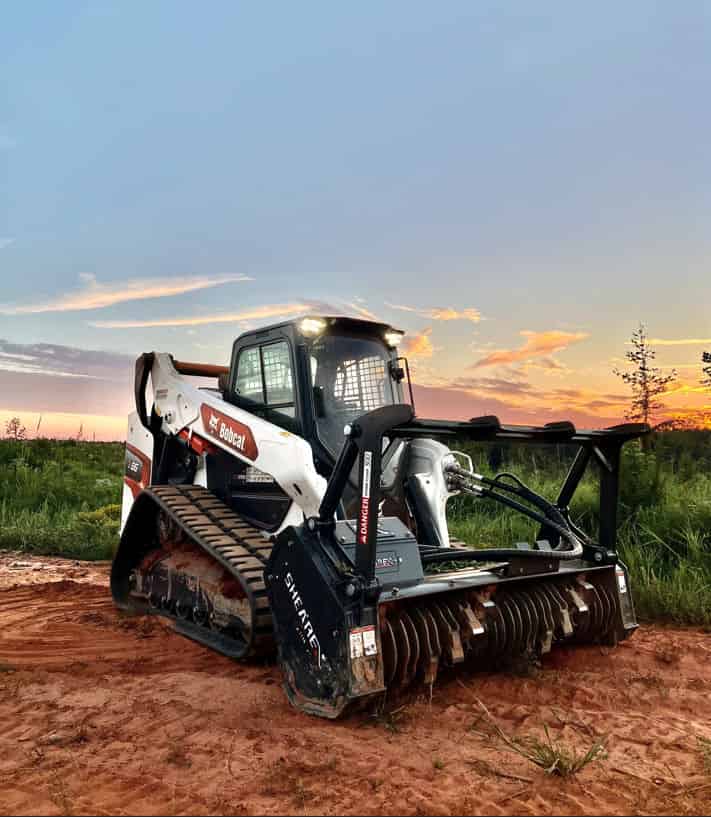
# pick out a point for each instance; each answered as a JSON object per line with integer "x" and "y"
{"x": 312, "y": 326}
{"x": 393, "y": 338}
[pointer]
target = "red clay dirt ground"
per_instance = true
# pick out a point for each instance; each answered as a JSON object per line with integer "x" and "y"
{"x": 101, "y": 714}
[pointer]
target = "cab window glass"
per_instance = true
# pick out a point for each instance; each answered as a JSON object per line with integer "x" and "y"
{"x": 265, "y": 371}
{"x": 278, "y": 377}
{"x": 249, "y": 375}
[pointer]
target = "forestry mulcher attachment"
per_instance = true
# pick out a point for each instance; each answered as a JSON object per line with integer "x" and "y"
{"x": 300, "y": 506}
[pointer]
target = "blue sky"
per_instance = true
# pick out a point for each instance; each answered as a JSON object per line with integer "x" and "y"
{"x": 547, "y": 166}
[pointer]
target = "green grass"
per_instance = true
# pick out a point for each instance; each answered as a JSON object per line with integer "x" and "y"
{"x": 60, "y": 497}
{"x": 664, "y": 524}
{"x": 554, "y": 757}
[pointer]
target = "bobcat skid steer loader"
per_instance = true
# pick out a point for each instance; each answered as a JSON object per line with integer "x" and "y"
{"x": 298, "y": 506}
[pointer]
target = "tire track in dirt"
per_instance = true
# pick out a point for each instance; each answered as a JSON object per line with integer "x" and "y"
{"x": 105, "y": 714}
{"x": 64, "y": 623}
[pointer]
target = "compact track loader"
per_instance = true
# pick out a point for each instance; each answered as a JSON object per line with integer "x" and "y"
{"x": 299, "y": 506}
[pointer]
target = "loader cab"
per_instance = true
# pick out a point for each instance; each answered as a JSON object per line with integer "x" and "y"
{"x": 312, "y": 377}
{"x": 315, "y": 375}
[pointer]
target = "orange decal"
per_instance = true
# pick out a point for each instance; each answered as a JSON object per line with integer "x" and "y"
{"x": 137, "y": 474}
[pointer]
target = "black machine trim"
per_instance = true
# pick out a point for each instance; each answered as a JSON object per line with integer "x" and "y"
{"x": 364, "y": 442}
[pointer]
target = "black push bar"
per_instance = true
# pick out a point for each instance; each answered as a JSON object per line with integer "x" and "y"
{"x": 364, "y": 442}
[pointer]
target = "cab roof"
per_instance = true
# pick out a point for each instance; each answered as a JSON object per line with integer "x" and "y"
{"x": 346, "y": 322}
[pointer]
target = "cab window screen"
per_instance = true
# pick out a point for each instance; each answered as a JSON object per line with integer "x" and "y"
{"x": 351, "y": 374}
{"x": 360, "y": 384}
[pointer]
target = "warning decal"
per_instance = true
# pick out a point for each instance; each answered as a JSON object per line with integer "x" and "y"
{"x": 364, "y": 517}
{"x": 363, "y": 642}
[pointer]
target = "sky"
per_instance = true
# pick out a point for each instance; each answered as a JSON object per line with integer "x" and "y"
{"x": 515, "y": 185}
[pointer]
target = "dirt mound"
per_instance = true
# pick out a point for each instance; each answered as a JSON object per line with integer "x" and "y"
{"x": 100, "y": 713}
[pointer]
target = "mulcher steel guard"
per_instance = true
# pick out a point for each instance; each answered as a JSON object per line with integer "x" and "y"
{"x": 356, "y": 610}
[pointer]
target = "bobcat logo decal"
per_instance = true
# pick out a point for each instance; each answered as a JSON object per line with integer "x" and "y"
{"x": 230, "y": 433}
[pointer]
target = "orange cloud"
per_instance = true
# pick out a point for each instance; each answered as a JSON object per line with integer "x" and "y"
{"x": 258, "y": 313}
{"x": 520, "y": 394}
{"x": 439, "y": 313}
{"x": 680, "y": 342}
{"x": 419, "y": 345}
{"x": 689, "y": 418}
{"x": 454, "y": 403}
{"x": 685, "y": 387}
{"x": 99, "y": 296}
{"x": 537, "y": 345}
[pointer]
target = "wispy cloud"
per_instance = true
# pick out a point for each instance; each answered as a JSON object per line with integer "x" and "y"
{"x": 5, "y": 242}
{"x": 419, "y": 345}
{"x": 62, "y": 361}
{"x": 548, "y": 364}
{"x": 439, "y": 313}
{"x": 680, "y": 342}
{"x": 257, "y": 313}
{"x": 536, "y": 345}
{"x": 518, "y": 403}
{"x": 18, "y": 367}
{"x": 692, "y": 417}
{"x": 95, "y": 295}
{"x": 361, "y": 311}
{"x": 685, "y": 387}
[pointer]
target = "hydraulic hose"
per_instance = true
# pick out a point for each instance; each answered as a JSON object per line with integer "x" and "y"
{"x": 551, "y": 517}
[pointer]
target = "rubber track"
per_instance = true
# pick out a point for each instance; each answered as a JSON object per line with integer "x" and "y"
{"x": 238, "y": 546}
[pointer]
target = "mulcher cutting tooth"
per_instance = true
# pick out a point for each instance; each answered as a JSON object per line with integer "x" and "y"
{"x": 561, "y": 613}
{"x": 547, "y": 631}
{"x": 473, "y": 631}
{"x": 415, "y": 647}
{"x": 449, "y": 634}
{"x": 390, "y": 656}
{"x": 404, "y": 653}
{"x": 429, "y": 645}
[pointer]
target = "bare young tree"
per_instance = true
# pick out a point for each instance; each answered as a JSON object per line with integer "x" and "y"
{"x": 647, "y": 381}
{"x": 14, "y": 430}
{"x": 706, "y": 369}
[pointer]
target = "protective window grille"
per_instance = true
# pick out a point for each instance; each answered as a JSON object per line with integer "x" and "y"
{"x": 278, "y": 380}
{"x": 361, "y": 383}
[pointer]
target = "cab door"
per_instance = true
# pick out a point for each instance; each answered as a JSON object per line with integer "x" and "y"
{"x": 263, "y": 384}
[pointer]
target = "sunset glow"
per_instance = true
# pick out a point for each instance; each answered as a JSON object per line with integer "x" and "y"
{"x": 516, "y": 190}
{"x": 68, "y": 426}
